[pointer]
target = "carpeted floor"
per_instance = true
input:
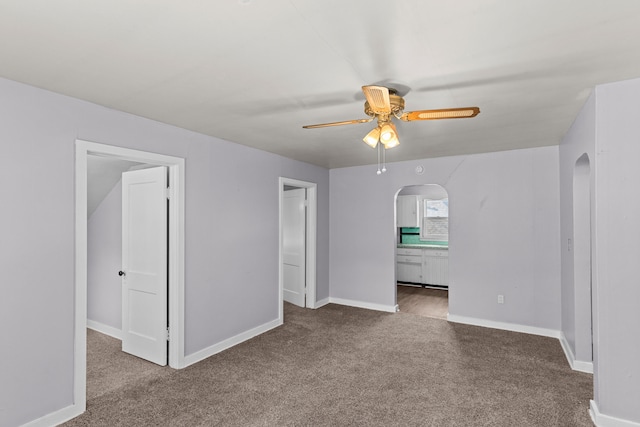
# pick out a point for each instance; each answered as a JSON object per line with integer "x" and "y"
{"x": 423, "y": 301}
{"x": 342, "y": 366}
{"x": 110, "y": 369}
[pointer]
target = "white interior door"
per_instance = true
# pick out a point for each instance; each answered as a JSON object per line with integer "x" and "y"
{"x": 293, "y": 246}
{"x": 144, "y": 264}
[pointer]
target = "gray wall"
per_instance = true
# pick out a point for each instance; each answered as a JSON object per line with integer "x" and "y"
{"x": 579, "y": 140}
{"x": 504, "y": 233}
{"x": 104, "y": 260}
{"x": 617, "y": 320}
{"x": 231, "y": 199}
{"x": 607, "y": 130}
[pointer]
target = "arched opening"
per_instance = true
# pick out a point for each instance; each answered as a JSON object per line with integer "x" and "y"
{"x": 422, "y": 253}
{"x": 582, "y": 280}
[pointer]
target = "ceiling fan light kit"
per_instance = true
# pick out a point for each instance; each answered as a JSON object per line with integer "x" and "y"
{"x": 386, "y": 134}
{"x": 389, "y": 135}
{"x": 384, "y": 104}
{"x": 372, "y": 138}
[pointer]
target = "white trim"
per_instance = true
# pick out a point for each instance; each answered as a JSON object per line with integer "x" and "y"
{"x": 176, "y": 263}
{"x": 513, "y": 327}
{"x": 322, "y": 302}
{"x": 55, "y": 418}
{"x": 582, "y": 366}
{"x": 576, "y": 365}
{"x": 311, "y": 240}
{"x": 312, "y": 221}
{"x": 601, "y": 420}
{"x": 176, "y": 167}
{"x": 230, "y": 342}
{"x": 367, "y": 305}
{"x": 80, "y": 309}
{"x": 105, "y": 329}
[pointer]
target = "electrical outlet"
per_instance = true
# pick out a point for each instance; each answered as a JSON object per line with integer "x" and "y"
{"x": 500, "y": 299}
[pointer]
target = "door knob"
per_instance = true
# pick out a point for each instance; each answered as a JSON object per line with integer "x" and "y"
{"x": 121, "y": 273}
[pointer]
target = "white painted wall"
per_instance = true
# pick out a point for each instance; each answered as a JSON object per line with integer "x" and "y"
{"x": 231, "y": 236}
{"x": 504, "y": 233}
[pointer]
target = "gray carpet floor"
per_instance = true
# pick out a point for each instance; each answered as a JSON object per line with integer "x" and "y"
{"x": 342, "y": 366}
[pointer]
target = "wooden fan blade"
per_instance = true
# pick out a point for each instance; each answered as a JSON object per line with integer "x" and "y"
{"x": 346, "y": 122}
{"x": 378, "y": 99}
{"x": 447, "y": 113}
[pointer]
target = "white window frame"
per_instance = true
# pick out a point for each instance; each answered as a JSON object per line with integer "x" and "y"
{"x": 423, "y": 223}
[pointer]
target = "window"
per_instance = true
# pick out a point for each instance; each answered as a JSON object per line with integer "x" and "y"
{"x": 435, "y": 220}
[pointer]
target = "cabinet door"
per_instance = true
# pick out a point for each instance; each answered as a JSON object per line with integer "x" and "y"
{"x": 409, "y": 272}
{"x": 435, "y": 268}
{"x": 407, "y": 211}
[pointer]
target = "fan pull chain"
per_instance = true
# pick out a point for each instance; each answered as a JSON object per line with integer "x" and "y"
{"x": 384, "y": 160}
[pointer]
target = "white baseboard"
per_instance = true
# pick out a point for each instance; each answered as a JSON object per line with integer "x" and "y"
{"x": 576, "y": 365}
{"x": 322, "y": 303}
{"x": 230, "y": 342}
{"x": 601, "y": 420}
{"x": 514, "y": 327}
{"x": 56, "y": 418}
{"x": 367, "y": 305}
{"x": 65, "y": 414}
{"x": 105, "y": 329}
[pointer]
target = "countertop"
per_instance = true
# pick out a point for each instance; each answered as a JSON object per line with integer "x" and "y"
{"x": 416, "y": 246}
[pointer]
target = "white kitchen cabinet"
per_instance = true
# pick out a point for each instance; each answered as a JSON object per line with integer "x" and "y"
{"x": 427, "y": 266}
{"x": 409, "y": 272}
{"x": 435, "y": 267}
{"x": 409, "y": 265}
{"x": 407, "y": 211}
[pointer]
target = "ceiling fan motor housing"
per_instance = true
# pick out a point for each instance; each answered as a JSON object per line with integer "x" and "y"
{"x": 396, "y": 102}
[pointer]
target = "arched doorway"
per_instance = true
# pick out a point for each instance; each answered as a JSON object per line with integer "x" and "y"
{"x": 582, "y": 278}
{"x": 422, "y": 254}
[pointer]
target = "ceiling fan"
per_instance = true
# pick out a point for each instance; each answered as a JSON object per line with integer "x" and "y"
{"x": 384, "y": 103}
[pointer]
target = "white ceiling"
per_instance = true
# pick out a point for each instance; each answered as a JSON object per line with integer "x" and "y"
{"x": 255, "y": 71}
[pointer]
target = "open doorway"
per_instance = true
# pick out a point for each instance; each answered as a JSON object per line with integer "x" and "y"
{"x": 175, "y": 254}
{"x": 297, "y": 242}
{"x": 422, "y": 252}
{"x": 582, "y": 265}
{"x": 116, "y": 356}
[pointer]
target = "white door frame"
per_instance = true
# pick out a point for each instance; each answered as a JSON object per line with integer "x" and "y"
{"x": 176, "y": 167}
{"x": 311, "y": 229}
